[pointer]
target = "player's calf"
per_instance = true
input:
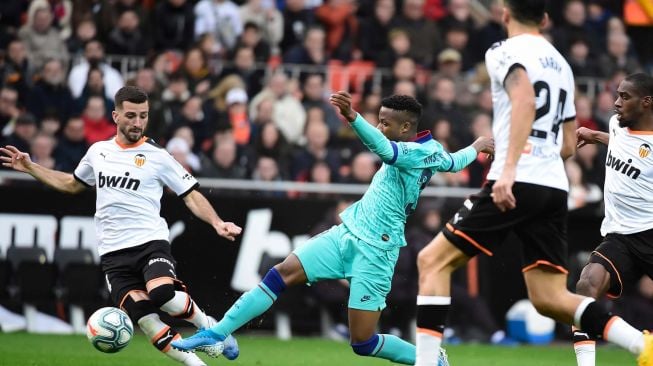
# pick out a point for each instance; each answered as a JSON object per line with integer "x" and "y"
{"x": 178, "y": 304}
{"x": 386, "y": 346}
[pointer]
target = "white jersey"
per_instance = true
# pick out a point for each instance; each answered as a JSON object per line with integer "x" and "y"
{"x": 551, "y": 76}
{"x": 628, "y": 193}
{"x": 129, "y": 183}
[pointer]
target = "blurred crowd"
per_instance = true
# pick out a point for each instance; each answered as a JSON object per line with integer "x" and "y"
{"x": 239, "y": 89}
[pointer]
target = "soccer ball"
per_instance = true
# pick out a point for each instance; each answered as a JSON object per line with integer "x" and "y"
{"x": 109, "y": 329}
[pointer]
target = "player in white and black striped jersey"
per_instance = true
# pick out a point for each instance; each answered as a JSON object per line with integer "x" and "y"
{"x": 626, "y": 252}
{"x": 130, "y": 172}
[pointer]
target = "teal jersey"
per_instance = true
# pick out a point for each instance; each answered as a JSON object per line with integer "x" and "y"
{"x": 379, "y": 217}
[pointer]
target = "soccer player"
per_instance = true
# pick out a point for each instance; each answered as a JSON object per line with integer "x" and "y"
{"x": 626, "y": 252}
{"x": 129, "y": 172}
{"x": 364, "y": 248}
{"x": 526, "y": 192}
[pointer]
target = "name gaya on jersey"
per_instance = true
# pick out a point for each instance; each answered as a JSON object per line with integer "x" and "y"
{"x": 553, "y": 82}
{"x": 628, "y": 193}
{"x": 129, "y": 184}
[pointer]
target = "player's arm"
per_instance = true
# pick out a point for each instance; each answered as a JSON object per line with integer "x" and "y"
{"x": 201, "y": 207}
{"x": 586, "y": 136}
{"x": 462, "y": 158}
{"x": 568, "y": 139}
{"x": 369, "y": 135}
{"x": 522, "y": 100}
{"x": 20, "y": 161}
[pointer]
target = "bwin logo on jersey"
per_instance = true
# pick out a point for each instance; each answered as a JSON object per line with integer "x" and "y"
{"x": 622, "y": 167}
{"x": 644, "y": 150}
{"x": 118, "y": 182}
{"x": 139, "y": 160}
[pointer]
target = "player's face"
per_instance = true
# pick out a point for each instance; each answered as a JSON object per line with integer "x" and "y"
{"x": 393, "y": 124}
{"x": 629, "y": 105}
{"x": 131, "y": 120}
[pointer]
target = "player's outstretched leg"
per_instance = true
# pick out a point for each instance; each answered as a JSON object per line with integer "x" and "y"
{"x": 160, "y": 334}
{"x": 548, "y": 292}
{"x": 435, "y": 263}
{"x": 594, "y": 282}
{"x": 250, "y": 305}
{"x": 178, "y": 304}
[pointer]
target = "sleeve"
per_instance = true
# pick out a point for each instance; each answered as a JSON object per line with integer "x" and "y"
{"x": 371, "y": 137}
{"x": 460, "y": 159}
{"x": 176, "y": 177}
{"x": 84, "y": 172}
{"x": 569, "y": 108}
{"x": 501, "y": 61}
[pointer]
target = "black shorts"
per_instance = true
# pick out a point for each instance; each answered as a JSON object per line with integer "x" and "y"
{"x": 626, "y": 257}
{"x": 539, "y": 221}
{"x": 130, "y": 269}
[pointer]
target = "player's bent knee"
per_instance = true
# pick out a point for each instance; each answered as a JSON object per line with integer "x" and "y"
{"x": 367, "y": 347}
{"x": 162, "y": 294}
{"x": 138, "y": 309}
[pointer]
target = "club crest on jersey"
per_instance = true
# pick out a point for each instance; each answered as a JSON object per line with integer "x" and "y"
{"x": 139, "y": 160}
{"x": 644, "y": 150}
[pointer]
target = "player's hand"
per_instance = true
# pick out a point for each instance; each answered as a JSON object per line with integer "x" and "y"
{"x": 502, "y": 190}
{"x": 584, "y": 136}
{"x": 342, "y": 101}
{"x": 228, "y": 230}
{"x": 484, "y": 144}
{"x": 15, "y": 159}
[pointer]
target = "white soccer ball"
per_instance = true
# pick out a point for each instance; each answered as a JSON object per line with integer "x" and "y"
{"x": 109, "y": 329}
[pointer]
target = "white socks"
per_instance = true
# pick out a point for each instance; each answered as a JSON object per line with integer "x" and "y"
{"x": 160, "y": 333}
{"x": 182, "y": 306}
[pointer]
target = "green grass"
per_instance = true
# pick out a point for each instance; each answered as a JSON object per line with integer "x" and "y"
{"x": 21, "y": 349}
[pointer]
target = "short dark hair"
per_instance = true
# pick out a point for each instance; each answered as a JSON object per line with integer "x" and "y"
{"x": 642, "y": 82}
{"x": 528, "y": 11}
{"x": 404, "y": 103}
{"x": 132, "y": 94}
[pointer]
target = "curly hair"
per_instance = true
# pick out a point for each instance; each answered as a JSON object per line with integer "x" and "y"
{"x": 406, "y": 104}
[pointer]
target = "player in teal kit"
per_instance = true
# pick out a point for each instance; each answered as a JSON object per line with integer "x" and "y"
{"x": 364, "y": 248}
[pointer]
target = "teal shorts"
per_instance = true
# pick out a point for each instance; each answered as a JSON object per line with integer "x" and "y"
{"x": 337, "y": 254}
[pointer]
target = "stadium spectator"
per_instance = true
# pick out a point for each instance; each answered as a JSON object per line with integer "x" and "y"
{"x": 363, "y": 167}
{"x": 617, "y": 57}
{"x": 270, "y": 142}
{"x": 573, "y": 27}
{"x": 267, "y": 170}
{"x": 25, "y": 128}
{"x": 399, "y": 42}
{"x": 16, "y": 70}
{"x": 196, "y": 71}
{"x": 251, "y": 38}
{"x": 71, "y": 146}
{"x": 489, "y": 33}
{"x": 581, "y": 192}
{"x": 9, "y": 110}
{"x": 222, "y": 162}
{"x": 94, "y": 55}
{"x": 192, "y": 116}
{"x": 41, "y": 39}
{"x": 173, "y": 25}
{"x": 314, "y": 95}
{"x": 341, "y": 24}
{"x": 315, "y": 149}
{"x": 580, "y": 60}
{"x": 50, "y": 94}
{"x": 425, "y": 37}
{"x": 263, "y": 18}
{"x": 221, "y": 18}
{"x": 41, "y": 149}
{"x": 244, "y": 66}
{"x": 296, "y": 21}
{"x": 95, "y": 87}
{"x": 312, "y": 50}
{"x": 288, "y": 113}
{"x": 127, "y": 38}
{"x": 179, "y": 148}
{"x": 442, "y": 104}
{"x": 85, "y": 31}
{"x": 373, "y": 32}
{"x": 97, "y": 126}
{"x": 238, "y": 121}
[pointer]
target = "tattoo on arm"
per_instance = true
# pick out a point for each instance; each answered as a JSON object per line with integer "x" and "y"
{"x": 512, "y": 79}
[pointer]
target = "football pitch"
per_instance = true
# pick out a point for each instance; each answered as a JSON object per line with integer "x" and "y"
{"x": 22, "y": 349}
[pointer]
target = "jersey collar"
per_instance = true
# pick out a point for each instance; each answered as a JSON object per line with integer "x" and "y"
{"x": 137, "y": 144}
{"x": 423, "y": 136}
